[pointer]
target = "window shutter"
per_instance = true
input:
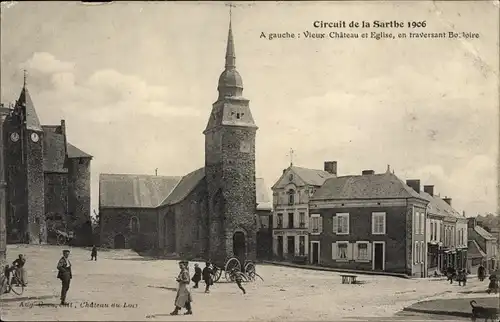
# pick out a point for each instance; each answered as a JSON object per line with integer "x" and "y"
{"x": 349, "y": 251}
{"x": 320, "y": 224}
{"x": 369, "y": 251}
{"x": 310, "y": 224}
{"x": 334, "y": 250}
{"x": 347, "y": 223}
{"x": 355, "y": 251}
{"x": 335, "y": 224}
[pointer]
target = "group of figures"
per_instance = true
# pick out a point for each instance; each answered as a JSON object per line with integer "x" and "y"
{"x": 183, "y": 298}
{"x": 461, "y": 277}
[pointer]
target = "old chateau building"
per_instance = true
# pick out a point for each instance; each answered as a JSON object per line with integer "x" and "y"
{"x": 291, "y": 195}
{"x": 48, "y": 179}
{"x": 212, "y": 211}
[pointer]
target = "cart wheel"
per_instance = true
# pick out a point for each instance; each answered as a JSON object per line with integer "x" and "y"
{"x": 232, "y": 263}
{"x": 250, "y": 271}
{"x": 16, "y": 289}
{"x": 216, "y": 274}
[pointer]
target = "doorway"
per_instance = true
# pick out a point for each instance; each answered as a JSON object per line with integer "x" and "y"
{"x": 280, "y": 247}
{"x": 378, "y": 256}
{"x": 169, "y": 233}
{"x": 119, "y": 242}
{"x": 239, "y": 246}
{"x": 315, "y": 252}
{"x": 290, "y": 245}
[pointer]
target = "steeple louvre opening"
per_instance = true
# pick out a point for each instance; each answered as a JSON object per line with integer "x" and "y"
{"x": 230, "y": 82}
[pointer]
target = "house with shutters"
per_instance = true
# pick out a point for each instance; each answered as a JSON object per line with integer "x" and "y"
{"x": 372, "y": 222}
{"x": 483, "y": 247}
{"x": 291, "y": 220}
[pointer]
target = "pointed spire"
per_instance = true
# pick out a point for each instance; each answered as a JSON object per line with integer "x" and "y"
{"x": 230, "y": 54}
{"x": 27, "y": 107}
{"x": 25, "y": 81}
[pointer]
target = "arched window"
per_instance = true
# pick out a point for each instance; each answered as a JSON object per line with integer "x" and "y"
{"x": 291, "y": 197}
{"x": 134, "y": 224}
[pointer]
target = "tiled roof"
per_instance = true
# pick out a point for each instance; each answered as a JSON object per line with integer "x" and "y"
{"x": 474, "y": 250}
{"x": 185, "y": 186}
{"x": 438, "y": 206}
{"x": 264, "y": 201}
{"x": 483, "y": 233}
{"x": 134, "y": 191}
{"x": 372, "y": 186}
{"x": 32, "y": 121}
{"x": 54, "y": 150}
{"x": 74, "y": 152}
{"x": 312, "y": 176}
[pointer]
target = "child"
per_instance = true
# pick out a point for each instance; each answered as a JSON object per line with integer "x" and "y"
{"x": 462, "y": 278}
{"x": 197, "y": 275}
{"x": 237, "y": 275}
{"x": 207, "y": 277}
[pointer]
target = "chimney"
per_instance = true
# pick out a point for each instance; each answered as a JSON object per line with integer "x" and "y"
{"x": 414, "y": 184}
{"x": 429, "y": 190}
{"x": 331, "y": 167}
{"x": 471, "y": 222}
{"x": 447, "y": 200}
{"x": 367, "y": 172}
{"x": 284, "y": 170}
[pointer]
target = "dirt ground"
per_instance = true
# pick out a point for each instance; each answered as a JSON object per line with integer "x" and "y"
{"x": 120, "y": 285}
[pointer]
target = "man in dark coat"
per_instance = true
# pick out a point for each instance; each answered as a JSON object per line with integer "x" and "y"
{"x": 481, "y": 273}
{"x": 207, "y": 277}
{"x": 64, "y": 274}
{"x": 93, "y": 253}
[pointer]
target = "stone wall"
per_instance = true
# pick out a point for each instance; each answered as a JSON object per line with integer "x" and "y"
{"x": 35, "y": 189}
{"x": 79, "y": 199}
{"x": 117, "y": 221}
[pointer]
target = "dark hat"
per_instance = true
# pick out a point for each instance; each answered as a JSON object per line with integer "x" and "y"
{"x": 66, "y": 251}
{"x": 183, "y": 262}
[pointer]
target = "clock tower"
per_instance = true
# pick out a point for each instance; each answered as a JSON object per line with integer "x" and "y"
{"x": 230, "y": 167}
{"x": 23, "y": 137}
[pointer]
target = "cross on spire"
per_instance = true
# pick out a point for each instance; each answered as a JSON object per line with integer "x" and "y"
{"x": 291, "y": 156}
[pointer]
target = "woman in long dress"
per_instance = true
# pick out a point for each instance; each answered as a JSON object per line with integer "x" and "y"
{"x": 183, "y": 297}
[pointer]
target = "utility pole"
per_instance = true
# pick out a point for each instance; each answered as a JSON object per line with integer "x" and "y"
{"x": 156, "y": 172}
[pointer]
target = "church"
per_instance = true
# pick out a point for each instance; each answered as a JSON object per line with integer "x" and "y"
{"x": 212, "y": 212}
{"x": 47, "y": 178}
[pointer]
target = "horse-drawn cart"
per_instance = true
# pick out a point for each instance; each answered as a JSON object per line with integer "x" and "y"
{"x": 233, "y": 263}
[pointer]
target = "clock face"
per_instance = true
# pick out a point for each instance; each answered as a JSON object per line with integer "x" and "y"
{"x": 245, "y": 146}
{"x": 34, "y": 137}
{"x": 14, "y": 137}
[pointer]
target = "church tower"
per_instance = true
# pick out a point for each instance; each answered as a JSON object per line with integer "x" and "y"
{"x": 23, "y": 155}
{"x": 230, "y": 167}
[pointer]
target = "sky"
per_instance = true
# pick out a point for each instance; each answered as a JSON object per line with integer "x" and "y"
{"x": 135, "y": 83}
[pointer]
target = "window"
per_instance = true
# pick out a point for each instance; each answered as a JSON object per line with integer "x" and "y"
{"x": 291, "y": 197}
{"x": 290, "y": 220}
{"x": 316, "y": 224}
{"x": 378, "y": 223}
{"x": 342, "y": 250}
{"x": 134, "y": 224}
{"x": 422, "y": 223}
{"x": 362, "y": 252}
{"x": 302, "y": 219}
{"x": 415, "y": 253}
{"x": 342, "y": 224}
{"x": 279, "y": 222}
{"x": 422, "y": 252}
{"x": 302, "y": 245}
{"x": 432, "y": 231}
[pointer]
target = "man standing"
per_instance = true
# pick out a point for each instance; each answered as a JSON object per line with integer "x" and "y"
{"x": 207, "y": 277}
{"x": 64, "y": 274}
{"x": 93, "y": 253}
